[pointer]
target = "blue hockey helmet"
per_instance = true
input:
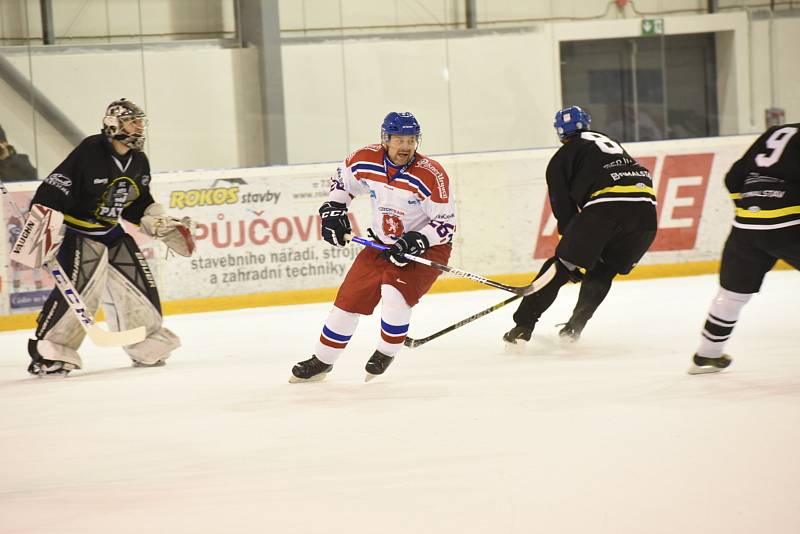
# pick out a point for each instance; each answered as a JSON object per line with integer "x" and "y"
{"x": 400, "y": 124}
{"x": 570, "y": 121}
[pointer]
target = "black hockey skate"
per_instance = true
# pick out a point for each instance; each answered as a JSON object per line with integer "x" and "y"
{"x": 569, "y": 333}
{"x": 517, "y": 335}
{"x": 377, "y": 365}
{"x": 41, "y": 366}
{"x": 311, "y": 370}
{"x": 54, "y": 368}
{"x": 702, "y": 365}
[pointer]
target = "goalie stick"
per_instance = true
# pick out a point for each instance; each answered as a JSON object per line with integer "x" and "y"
{"x": 99, "y": 336}
{"x": 413, "y": 343}
{"x": 522, "y": 291}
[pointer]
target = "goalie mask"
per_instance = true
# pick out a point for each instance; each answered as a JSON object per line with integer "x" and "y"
{"x": 126, "y": 122}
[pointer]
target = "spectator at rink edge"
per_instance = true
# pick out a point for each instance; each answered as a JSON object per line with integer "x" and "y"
{"x": 14, "y": 167}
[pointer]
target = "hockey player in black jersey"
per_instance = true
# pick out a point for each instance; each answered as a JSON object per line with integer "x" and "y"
{"x": 605, "y": 206}
{"x": 765, "y": 187}
{"x": 103, "y": 180}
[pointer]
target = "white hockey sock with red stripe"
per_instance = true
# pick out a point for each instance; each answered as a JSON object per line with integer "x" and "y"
{"x": 395, "y": 318}
{"x": 336, "y": 333}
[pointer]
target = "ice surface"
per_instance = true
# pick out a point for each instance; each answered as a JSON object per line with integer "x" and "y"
{"x": 609, "y": 435}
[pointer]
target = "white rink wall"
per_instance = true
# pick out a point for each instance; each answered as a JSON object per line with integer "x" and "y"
{"x": 259, "y": 227}
{"x": 471, "y": 91}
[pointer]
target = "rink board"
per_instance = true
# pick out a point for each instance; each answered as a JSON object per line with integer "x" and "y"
{"x": 259, "y": 237}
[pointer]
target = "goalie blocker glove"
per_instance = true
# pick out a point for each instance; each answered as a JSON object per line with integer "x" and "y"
{"x": 177, "y": 234}
{"x": 40, "y": 237}
{"x": 413, "y": 243}
{"x": 335, "y": 224}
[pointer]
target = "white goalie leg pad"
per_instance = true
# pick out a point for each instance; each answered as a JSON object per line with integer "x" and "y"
{"x": 395, "y": 319}
{"x": 155, "y": 348}
{"x": 59, "y": 332}
{"x": 720, "y": 322}
{"x": 61, "y": 353}
{"x": 126, "y": 307}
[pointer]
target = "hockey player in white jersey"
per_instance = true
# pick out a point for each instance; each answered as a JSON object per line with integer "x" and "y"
{"x": 413, "y": 212}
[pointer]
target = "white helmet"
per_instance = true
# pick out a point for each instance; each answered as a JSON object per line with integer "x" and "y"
{"x": 120, "y": 112}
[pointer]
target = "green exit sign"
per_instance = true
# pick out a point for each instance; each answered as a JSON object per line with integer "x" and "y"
{"x": 652, "y": 26}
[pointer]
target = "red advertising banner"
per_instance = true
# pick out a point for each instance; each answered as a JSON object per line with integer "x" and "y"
{"x": 682, "y": 187}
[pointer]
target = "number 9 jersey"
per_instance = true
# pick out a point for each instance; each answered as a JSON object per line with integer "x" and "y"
{"x": 591, "y": 168}
{"x": 765, "y": 183}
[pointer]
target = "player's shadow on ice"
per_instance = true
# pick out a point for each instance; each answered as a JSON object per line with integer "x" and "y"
{"x": 72, "y": 377}
{"x": 555, "y": 347}
{"x": 122, "y": 368}
{"x": 727, "y": 386}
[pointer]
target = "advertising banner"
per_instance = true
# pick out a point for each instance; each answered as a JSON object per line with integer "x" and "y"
{"x": 258, "y": 230}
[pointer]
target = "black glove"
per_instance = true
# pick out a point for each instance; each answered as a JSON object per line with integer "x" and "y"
{"x": 335, "y": 224}
{"x": 574, "y": 273}
{"x": 413, "y": 243}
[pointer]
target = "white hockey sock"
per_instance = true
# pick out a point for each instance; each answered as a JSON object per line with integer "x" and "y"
{"x": 722, "y": 317}
{"x": 336, "y": 333}
{"x": 395, "y": 318}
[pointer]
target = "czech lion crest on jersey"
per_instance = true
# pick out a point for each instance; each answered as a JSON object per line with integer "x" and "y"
{"x": 392, "y": 225}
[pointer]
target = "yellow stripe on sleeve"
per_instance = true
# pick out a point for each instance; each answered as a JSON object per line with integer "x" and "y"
{"x": 768, "y": 214}
{"x": 624, "y": 189}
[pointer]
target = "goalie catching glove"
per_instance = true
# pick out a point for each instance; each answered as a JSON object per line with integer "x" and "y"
{"x": 39, "y": 237}
{"x": 412, "y": 243}
{"x": 177, "y": 234}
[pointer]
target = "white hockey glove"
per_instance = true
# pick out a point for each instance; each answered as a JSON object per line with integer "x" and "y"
{"x": 39, "y": 238}
{"x": 177, "y": 234}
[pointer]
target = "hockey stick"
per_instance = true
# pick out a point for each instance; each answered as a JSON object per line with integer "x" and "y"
{"x": 100, "y": 337}
{"x": 413, "y": 343}
{"x": 522, "y": 291}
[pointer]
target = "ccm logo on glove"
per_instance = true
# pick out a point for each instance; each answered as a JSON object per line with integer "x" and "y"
{"x": 335, "y": 224}
{"x": 412, "y": 243}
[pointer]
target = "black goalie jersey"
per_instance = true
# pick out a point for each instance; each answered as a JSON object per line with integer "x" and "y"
{"x": 591, "y": 168}
{"x": 765, "y": 182}
{"x": 94, "y": 187}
